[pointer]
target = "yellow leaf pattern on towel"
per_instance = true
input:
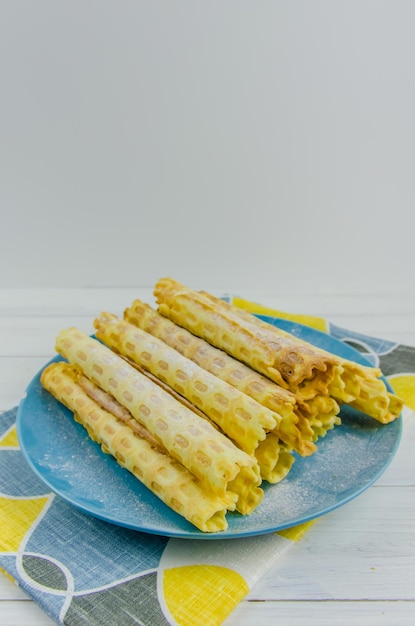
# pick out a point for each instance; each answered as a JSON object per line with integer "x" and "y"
{"x": 309, "y": 320}
{"x": 16, "y": 517}
{"x": 404, "y": 387}
{"x": 9, "y": 439}
{"x": 211, "y": 591}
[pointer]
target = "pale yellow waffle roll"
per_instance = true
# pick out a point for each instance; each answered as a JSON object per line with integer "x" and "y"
{"x": 204, "y": 451}
{"x": 163, "y": 475}
{"x": 306, "y": 434}
{"x": 372, "y": 396}
{"x": 277, "y": 356}
{"x": 211, "y": 358}
{"x": 293, "y": 428}
{"x": 343, "y": 388}
{"x": 396, "y": 406}
{"x": 240, "y": 417}
{"x": 248, "y": 498}
{"x": 110, "y": 404}
{"x": 322, "y": 413}
{"x": 274, "y": 458}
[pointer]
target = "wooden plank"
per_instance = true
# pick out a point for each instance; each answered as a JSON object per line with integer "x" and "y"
{"x": 15, "y": 374}
{"x": 57, "y": 302}
{"x": 35, "y": 336}
{"x": 323, "y": 614}
{"x": 9, "y": 590}
{"x": 85, "y": 301}
{"x": 364, "y": 550}
{"x": 263, "y": 614}
{"x": 21, "y": 613}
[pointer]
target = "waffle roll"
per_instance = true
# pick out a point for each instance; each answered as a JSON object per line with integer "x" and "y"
{"x": 194, "y": 442}
{"x": 322, "y": 414}
{"x": 163, "y": 475}
{"x": 275, "y": 459}
{"x": 240, "y": 417}
{"x": 276, "y": 355}
{"x": 373, "y": 397}
{"x": 110, "y": 404}
{"x": 351, "y": 383}
{"x": 293, "y": 429}
{"x": 348, "y": 382}
{"x": 305, "y": 387}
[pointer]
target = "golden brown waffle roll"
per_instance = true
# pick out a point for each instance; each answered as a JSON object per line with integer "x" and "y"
{"x": 240, "y": 417}
{"x": 204, "y": 451}
{"x": 164, "y": 476}
{"x": 293, "y": 428}
{"x": 277, "y": 356}
{"x": 343, "y": 377}
{"x": 308, "y": 387}
{"x": 358, "y": 385}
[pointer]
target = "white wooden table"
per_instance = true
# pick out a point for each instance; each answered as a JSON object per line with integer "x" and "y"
{"x": 356, "y": 565}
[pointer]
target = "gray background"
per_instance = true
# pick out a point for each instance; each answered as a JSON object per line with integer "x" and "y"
{"x": 247, "y": 145}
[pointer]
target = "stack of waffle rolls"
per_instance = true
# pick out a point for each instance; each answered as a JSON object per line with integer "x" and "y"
{"x": 208, "y": 454}
{"x": 202, "y": 401}
{"x": 241, "y": 418}
{"x": 294, "y": 428}
{"x": 144, "y": 458}
{"x": 291, "y": 362}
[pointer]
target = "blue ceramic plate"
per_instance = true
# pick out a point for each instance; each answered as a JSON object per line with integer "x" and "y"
{"x": 349, "y": 459}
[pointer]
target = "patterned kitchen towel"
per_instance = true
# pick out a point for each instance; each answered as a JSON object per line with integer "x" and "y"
{"x": 80, "y": 569}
